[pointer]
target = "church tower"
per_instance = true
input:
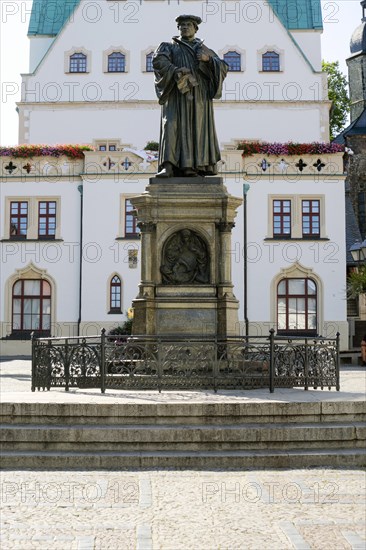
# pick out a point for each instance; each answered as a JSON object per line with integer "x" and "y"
{"x": 357, "y": 67}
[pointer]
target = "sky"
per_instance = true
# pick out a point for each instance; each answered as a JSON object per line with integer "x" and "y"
{"x": 340, "y": 17}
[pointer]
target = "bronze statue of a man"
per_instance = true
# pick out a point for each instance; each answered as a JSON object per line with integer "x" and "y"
{"x": 188, "y": 76}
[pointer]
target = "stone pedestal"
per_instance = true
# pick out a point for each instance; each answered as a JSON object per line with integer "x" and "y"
{"x": 186, "y": 285}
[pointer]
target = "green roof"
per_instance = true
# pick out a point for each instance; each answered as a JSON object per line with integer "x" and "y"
{"x": 48, "y": 18}
{"x": 298, "y": 14}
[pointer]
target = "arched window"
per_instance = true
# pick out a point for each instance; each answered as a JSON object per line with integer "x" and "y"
{"x": 297, "y": 306}
{"x": 270, "y": 61}
{"x": 149, "y": 65}
{"x": 78, "y": 63}
{"x": 233, "y": 59}
{"x": 116, "y": 62}
{"x": 115, "y": 295}
{"x": 31, "y": 306}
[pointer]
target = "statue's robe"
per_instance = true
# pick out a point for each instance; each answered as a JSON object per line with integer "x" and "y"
{"x": 187, "y": 135}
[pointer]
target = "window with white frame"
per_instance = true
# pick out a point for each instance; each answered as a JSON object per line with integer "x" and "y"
{"x": 297, "y": 306}
{"x": 31, "y": 306}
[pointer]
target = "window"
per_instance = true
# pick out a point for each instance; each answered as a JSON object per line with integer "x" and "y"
{"x": 116, "y": 63}
{"x": 270, "y": 61}
{"x": 78, "y": 63}
{"x": 46, "y": 219}
{"x": 18, "y": 220}
{"x": 131, "y": 229}
{"x": 115, "y": 295}
{"x": 282, "y": 218}
{"x": 110, "y": 147}
{"x": 149, "y": 65}
{"x": 233, "y": 59}
{"x": 311, "y": 218}
{"x": 31, "y": 306}
{"x": 297, "y": 306}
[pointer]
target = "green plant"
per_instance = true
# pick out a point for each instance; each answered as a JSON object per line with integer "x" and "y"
{"x": 356, "y": 282}
{"x": 152, "y": 146}
{"x": 122, "y": 330}
{"x": 338, "y": 94}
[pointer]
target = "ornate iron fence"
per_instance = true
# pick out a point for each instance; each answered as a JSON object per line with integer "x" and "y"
{"x": 163, "y": 362}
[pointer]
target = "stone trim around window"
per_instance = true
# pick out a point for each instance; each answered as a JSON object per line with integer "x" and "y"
{"x": 116, "y": 49}
{"x": 28, "y": 272}
{"x": 144, "y": 53}
{"x": 298, "y": 271}
{"x": 73, "y": 50}
{"x": 237, "y": 49}
{"x": 270, "y": 48}
{"x": 296, "y": 217}
{"x": 33, "y": 209}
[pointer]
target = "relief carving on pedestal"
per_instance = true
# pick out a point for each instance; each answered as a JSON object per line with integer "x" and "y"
{"x": 185, "y": 259}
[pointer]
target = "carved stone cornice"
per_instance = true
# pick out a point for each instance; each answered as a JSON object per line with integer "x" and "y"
{"x": 225, "y": 227}
{"x": 146, "y": 227}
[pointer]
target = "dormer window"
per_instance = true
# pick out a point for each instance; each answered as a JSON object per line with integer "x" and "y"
{"x": 233, "y": 59}
{"x": 78, "y": 63}
{"x": 270, "y": 62}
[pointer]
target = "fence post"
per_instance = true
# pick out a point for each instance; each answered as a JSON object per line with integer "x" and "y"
{"x": 306, "y": 373}
{"x": 215, "y": 368}
{"x": 338, "y": 386}
{"x": 271, "y": 360}
{"x": 67, "y": 365}
{"x": 33, "y": 363}
{"x": 49, "y": 366}
{"x": 102, "y": 361}
{"x": 160, "y": 373}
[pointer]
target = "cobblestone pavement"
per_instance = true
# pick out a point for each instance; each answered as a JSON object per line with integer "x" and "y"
{"x": 181, "y": 510}
{"x": 176, "y": 510}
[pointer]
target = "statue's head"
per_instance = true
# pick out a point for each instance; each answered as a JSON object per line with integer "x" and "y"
{"x": 194, "y": 19}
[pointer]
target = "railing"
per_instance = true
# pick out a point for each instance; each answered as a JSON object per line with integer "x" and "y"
{"x": 175, "y": 363}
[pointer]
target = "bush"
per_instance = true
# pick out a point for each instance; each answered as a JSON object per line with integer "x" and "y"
{"x": 152, "y": 146}
{"x": 122, "y": 330}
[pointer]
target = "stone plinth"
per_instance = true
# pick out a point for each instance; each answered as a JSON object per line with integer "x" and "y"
{"x": 186, "y": 285}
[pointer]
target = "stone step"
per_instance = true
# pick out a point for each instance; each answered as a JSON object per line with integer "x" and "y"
{"x": 182, "y": 413}
{"x": 183, "y": 435}
{"x": 229, "y": 460}
{"x": 81, "y": 437}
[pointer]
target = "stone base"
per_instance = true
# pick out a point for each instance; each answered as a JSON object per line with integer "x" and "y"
{"x": 202, "y": 206}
